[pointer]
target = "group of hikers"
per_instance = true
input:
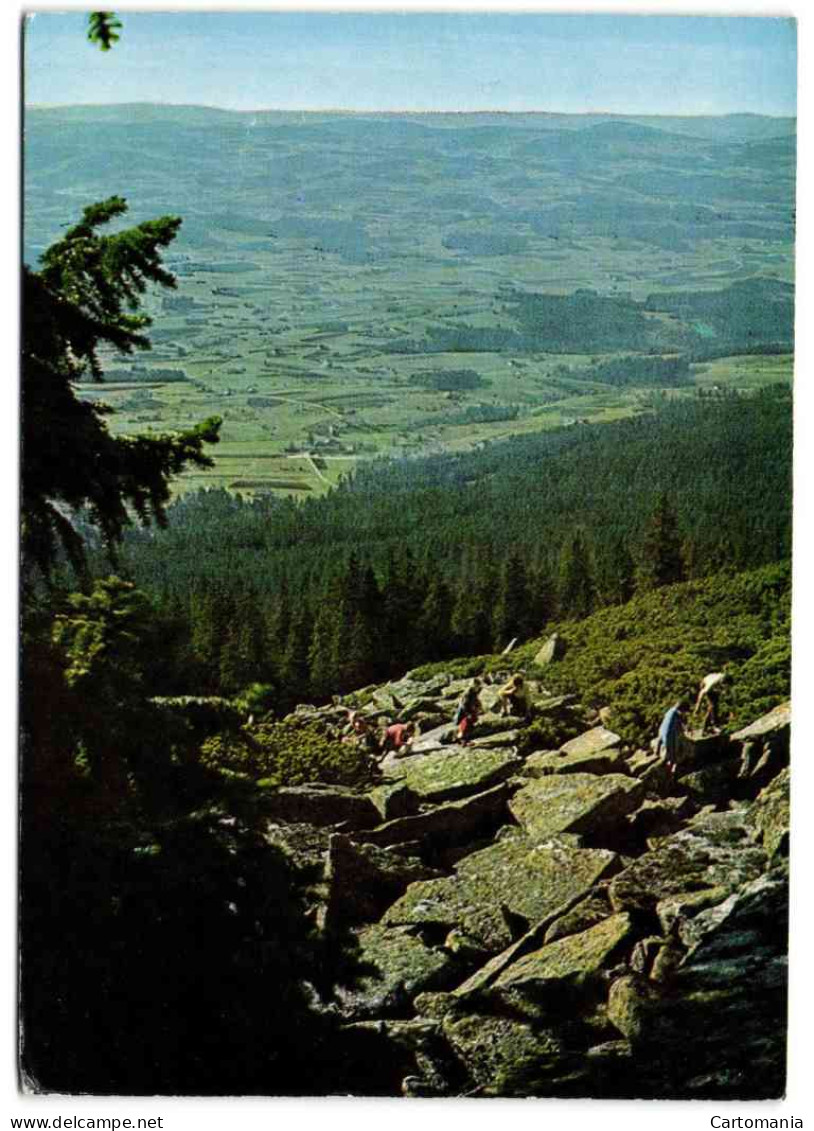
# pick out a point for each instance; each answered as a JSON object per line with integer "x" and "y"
{"x": 513, "y": 700}
{"x": 512, "y": 697}
{"x": 398, "y": 737}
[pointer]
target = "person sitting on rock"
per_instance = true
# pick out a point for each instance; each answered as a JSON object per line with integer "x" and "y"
{"x": 512, "y": 695}
{"x": 469, "y": 708}
{"x": 671, "y": 732}
{"x": 399, "y": 738}
{"x": 710, "y": 689}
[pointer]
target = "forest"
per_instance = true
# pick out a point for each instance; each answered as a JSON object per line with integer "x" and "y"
{"x": 412, "y": 561}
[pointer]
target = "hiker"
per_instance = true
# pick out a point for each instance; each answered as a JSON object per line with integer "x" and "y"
{"x": 710, "y": 689}
{"x": 469, "y": 707}
{"x": 398, "y": 738}
{"x": 363, "y": 735}
{"x": 512, "y": 695}
{"x": 671, "y": 731}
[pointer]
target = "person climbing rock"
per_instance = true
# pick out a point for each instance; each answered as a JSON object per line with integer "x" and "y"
{"x": 363, "y": 734}
{"x": 469, "y": 708}
{"x": 671, "y": 731}
{"x": 513, "y": 700}
{"x": 709, "y": 689}
{"x": 399, "y": 738}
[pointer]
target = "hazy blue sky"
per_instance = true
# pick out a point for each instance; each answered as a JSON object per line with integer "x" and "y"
{"x": 420, "y": 61}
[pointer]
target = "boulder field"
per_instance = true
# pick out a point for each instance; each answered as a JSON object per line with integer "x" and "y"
{"x": 570, "y": 921}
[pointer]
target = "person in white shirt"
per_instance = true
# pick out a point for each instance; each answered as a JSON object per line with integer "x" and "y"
{"x": 710, "y": 690}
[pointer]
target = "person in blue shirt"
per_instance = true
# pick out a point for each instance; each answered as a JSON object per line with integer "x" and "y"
{"x": 671, "y": 731}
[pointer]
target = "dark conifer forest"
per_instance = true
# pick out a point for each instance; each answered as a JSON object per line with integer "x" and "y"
{"x": 414, "y": 561}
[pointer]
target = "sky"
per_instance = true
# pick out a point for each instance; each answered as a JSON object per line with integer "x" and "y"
{"x": 412, "y": 60}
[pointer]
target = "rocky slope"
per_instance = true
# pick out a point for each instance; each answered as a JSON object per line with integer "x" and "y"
{"x": 547, "y": 912}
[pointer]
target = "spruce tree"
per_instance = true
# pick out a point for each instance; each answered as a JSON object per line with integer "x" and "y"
{"x": 618, "y": 575}
{"x": 542, "y": 598}
{"x": 401, "y": 606}
{"x": 577, "y": 589}
{"x": 294, "y": 667}
{"x": 85, "y": 296}
{"x": 662, "y": 561}
{"x": 435, "y": 622}
{"x": 511, "y": 617}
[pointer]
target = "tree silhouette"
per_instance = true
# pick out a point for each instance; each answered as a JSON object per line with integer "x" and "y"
{"x": 577, "y": 589}
{"x": 662, "y": 561}
{"x": 102, "y": 29}
{"x": 86, "y": 296}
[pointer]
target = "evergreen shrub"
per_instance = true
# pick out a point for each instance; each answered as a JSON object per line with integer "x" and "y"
{"x": 287, "y": 753}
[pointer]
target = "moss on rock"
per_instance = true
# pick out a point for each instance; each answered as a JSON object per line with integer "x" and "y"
{"x": 516, "y": 875}
{"x": 445, "y": 776}
{"x": 576, "y": 803}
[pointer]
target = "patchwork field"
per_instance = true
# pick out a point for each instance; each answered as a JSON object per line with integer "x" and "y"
{"x": 356, "y": 285}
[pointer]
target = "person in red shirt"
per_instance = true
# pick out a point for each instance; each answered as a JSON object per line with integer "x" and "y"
{"x": 398, "y": 737}
{"x": 469, "y": 708}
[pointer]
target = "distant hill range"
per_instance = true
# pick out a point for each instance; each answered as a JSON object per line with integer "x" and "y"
{"x": 730, "y": 127}
{"x": 443, "y": 233}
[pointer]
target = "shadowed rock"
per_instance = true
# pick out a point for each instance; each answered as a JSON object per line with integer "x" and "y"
{"x": 727, "y": 993}
{"x": 319, "y": 805}
{"x": 450, "y": 823}
{"x": 658, "y": 818}
{"x": 394, "y": 966}
{"x": 394, "y": 799}
{"x": 363, "y": 879}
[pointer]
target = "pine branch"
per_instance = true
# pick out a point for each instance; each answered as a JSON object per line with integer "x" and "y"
{"x": 102, "y": 29}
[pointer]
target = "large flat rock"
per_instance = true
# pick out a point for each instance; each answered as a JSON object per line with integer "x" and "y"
{"x": 516, "y": 877}
{"x": 436, "y": 739}
{"x": 775, "y": 721}
{"x": 491, "y": 741}
{"x": 453, "y": 773}
{"x": 592, "y": 742}
{"x": 565, "y": 970}
{"x": 545, "y": 762}
{"x": 576, "y": 803}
